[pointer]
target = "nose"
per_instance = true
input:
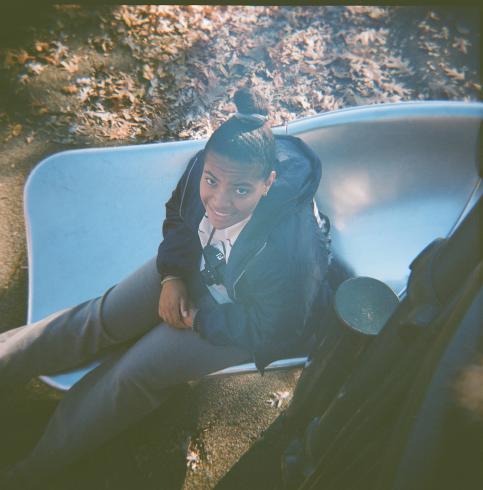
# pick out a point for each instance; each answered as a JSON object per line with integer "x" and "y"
{"x": 221, "y": 200}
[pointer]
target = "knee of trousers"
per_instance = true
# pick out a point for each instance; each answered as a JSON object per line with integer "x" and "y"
{"x": 87, "y": 321}
{"x": 133, "y": 385}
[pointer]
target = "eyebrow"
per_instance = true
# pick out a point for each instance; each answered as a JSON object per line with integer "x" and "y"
{"x": 246, "y": 184}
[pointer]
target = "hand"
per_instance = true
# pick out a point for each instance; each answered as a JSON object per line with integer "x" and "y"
{"x": 188, "y": 321}
{"x": 174, "y": 304}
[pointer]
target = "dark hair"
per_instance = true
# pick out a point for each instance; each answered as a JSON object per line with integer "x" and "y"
{"x": 246, "y": 137}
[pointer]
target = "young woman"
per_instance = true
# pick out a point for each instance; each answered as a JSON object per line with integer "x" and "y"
{"x": 241, "y": 275}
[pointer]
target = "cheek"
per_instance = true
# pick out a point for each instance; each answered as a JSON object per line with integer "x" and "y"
{"x": 204, "y": 193}
{"x": 250, "y": 204}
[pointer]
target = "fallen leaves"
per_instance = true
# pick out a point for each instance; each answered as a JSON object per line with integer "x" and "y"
{"x": 372, "y": 12}
{"x": 371, "y": 36}
{"x": 16, "y": 130}
{"x": 70, "y": 89}
{"x": 193, "y": 460}
{"x": 195, "y": 451}
{"x": 71, "y": 65}
{"x": 183, "y": 64}
{"x": 16, "y": 57}
{"x": 13, "y": 130}
{"x": 393, "y": 88}
{"x": 35, "y": 68}
{"x": 461, "y": 44}
{"x": 104, "y": 43}
{"x": 451, "y": 72}
{"x": 396, "y": 64}
{"x": 148, "y": 73}
{"x": 278, "y": 398}
{"x": 41, "y": 46}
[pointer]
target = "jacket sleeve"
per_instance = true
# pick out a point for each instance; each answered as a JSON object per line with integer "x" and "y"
{"x": 179, "y": 251}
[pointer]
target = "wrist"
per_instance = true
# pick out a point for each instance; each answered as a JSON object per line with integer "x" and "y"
{"x": 168, "y": 278}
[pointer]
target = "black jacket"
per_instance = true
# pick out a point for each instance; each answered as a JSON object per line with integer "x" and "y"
{"x": 277, "y": 272}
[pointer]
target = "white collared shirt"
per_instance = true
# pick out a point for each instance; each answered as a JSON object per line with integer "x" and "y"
{"x": 223, "y": 240}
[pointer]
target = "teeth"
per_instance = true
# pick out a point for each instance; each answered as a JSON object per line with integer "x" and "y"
{"x": 222, "y": 214}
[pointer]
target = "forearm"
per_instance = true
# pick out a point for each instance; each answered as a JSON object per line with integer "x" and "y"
{"x": 179, "y": 253}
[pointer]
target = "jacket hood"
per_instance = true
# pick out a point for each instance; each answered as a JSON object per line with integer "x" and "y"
{"x": 299, "y": 172}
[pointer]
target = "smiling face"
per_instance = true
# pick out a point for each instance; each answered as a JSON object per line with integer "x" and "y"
{"x": 230, "y": 191}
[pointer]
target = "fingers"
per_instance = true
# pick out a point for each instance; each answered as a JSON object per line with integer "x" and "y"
{"x": 173, "y": 315}
{"x": 173, "y": 309}
{"x": 187, "y": 313}
{"x": 188, "y": 321}
{"x": 183, "y": 306}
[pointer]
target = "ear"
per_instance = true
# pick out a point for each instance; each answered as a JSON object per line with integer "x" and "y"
{"x": 270, "y": 180}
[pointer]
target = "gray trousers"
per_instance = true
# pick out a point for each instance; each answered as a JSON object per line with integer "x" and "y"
{"x": 145, "y": 357}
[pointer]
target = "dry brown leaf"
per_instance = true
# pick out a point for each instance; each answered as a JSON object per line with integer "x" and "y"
{"x": 473, "y": 85}
{"x": 16, "y": 130}
{"x": 126, "y": 17}
{"x": 71, "y": 65}
{"x": 70, "y": 89}
{"x": 372, "y": 12}
{"x": 35, "y": 68}
{"x": 58, "y": 52}
{"x": 461, "y": 44}
{"x": 308, "y": 69}
{"x": 301, "y": 101}
{"x": 425, "y": 27}
{"x": 453, "y": 73}
{"x": 366, "y": 37}
{"x": 278, "y": 398}
{"x": 41, "y": 46}
{"x": 395, "y": 88}
{"x": 148, "y": 73}
{"x": 12, "y": 57}
{"x": 443, "y": 34}
{"x": 193, "y": 460}
{"x": 396, "y": 63}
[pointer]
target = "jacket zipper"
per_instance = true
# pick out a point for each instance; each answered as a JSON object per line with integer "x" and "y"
{"x": 242, "y": 273}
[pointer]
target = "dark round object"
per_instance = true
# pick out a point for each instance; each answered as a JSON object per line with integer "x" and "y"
{"x": 365, "y": 304}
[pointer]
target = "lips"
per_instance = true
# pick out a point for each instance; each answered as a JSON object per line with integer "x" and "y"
{"x": 220, "y": 213}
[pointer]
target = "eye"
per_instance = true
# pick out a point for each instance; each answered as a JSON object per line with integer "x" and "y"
{"x": 242, "y": 191}
{"x": 210, "y": 181}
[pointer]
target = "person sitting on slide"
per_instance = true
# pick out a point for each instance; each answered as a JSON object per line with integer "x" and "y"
{"x": 240, "y": 275}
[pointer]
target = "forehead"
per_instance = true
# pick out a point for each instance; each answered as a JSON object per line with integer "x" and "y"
{"x": 231, "y": 171}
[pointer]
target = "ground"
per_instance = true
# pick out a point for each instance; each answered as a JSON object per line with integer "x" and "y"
{"x": 77, "y": 77}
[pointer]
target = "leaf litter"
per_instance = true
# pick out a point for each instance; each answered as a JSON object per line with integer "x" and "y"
{"x": 185, "y": 62}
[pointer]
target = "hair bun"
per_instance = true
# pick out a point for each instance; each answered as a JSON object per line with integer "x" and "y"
{"x": 250, "y": 101}
{"x": 252, "y": 106}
